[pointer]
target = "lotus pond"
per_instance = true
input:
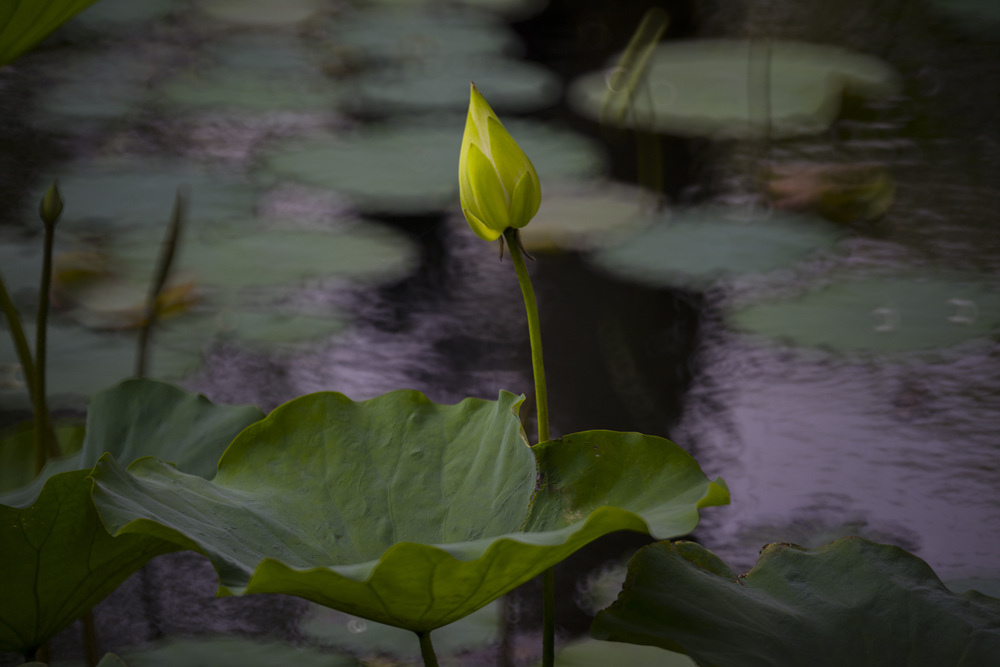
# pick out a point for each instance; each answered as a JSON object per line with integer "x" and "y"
{"x": 767, "y": 234}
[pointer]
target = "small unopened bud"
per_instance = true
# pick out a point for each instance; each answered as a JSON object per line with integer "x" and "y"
{"x": 51, "y": 205}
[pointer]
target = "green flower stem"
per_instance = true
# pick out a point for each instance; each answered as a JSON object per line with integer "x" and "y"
{"x": 534, "y": 332}
{"x": 542, "y": 404}
{"x": 549, "y": 617}
{"x": 20, "y": 340}
{"x": 427, "y": 649}
{"x": 45, "y": 437}
{"x": 45, "y": 440}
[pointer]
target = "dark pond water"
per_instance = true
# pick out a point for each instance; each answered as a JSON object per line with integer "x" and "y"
{"x": 872, "y": 410}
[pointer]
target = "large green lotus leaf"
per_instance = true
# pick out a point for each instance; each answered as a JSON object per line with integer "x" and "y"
{"x": 225, "y": 651}
{"x": 717, "y": 88}
{"x": 399, "y": 510}
{"x": 512, "y": 86}
{"x": 129, "y": 192}
{"x": 58, "y": 560}
{"x": 17, "y": 453}
{"x": 404, "y": 35}
{"x": 140, "y": 417}
{"x": 24, "y": 23}
{"x": 82, "y": 362}
{"x": 698, "y": 246}
{"x": 412, "y": 169}
{"x": 592, "y": 653}
{"x": 852, "y": 602}
{"x": 262, "y": 13}
{"x": 891, "y": 315}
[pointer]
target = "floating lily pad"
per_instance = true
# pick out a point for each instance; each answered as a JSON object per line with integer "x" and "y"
{"x": 585, "y": 218}
{"x": 248, "y": 254}
{"x": 212, "y": 651}
{"x": 270, "y": 331}
{"x": 512, "y": 86}
{"x": 82, "y": 362}
{"x": 264, "y": 13}
{"x": 878, "y": 315}
{"x": 252, "y": 73}
{"x": 717, "y": 88}
{"x": 402, "y": 511}
{"x": 593, "y": 653}
{"x": 131, "y": 192}
{"x": 402, "y": 36}
{"x": 369, "y": 639}
{"x": 91, "y": 93}
{"x": 58, "y": 560}
{"x": 412, "y": 169}
{"x": 852, "y": 602}
{"x": 24, "y": 23}
{"x": 698, "y": 246}
{"x": 521, "y": 9}
{"x": 115, "y": 13}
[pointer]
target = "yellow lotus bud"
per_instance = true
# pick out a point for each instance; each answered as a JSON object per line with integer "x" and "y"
{"x": 51, "y": 206}
{"x": 498, "y": 184}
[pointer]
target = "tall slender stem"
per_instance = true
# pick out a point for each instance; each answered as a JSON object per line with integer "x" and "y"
{"x": 20, "y": 340}
{"x": 542, "y": 404}
{"x": 45, "y": 440}
{"x": 427, "y": 649}
{"x": 549, "y": 617}
{"x": 163, "y": 264}
{"x": 534, "y": 332}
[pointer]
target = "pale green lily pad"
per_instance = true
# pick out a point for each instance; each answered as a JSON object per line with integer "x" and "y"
{"x": 273, "y": 332}
{"x": 593, "y": 653}
{"x": 58, "y": 560}
{"x": 252, "y": 73}
{"x": 402, "y": 511}
{"x": 699, "y": 246}
{"x": 852, "y": 602}
{"x": 402, "y": 36}
{"x": 111, "y": 14}
{"x": 904, "y": 314}
{"x": 511, "y": 86}
{"x": 93, "y": 92}
{"x": 585, "y": 218}
{"x": 370, "y": 639}
{"x": 412, "y": 169}
{"x": 24, "y": 23}
{"x": 218, "y": 651}
{"x": 708, "y": 88}
{"x": 248, "y": 92}
{"x": 130, "y": 192}
{"x": 261, "y": 13}
{"x": 248, "y": 255}
{"x": 82, "y": 362}
{"x": 519, "y": 9}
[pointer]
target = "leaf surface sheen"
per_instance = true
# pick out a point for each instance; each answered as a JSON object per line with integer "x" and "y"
{"x": 57, "y": 559}
{"x": 400, "y": 510}
{"x": 851, "y": 602}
